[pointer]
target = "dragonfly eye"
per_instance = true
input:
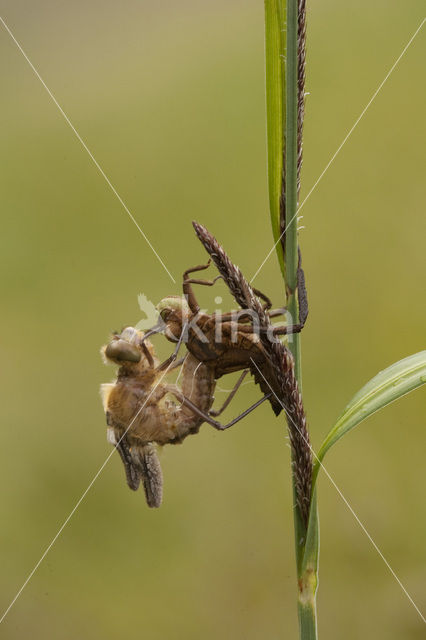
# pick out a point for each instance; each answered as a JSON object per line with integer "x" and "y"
{"x": 121, "y": 351}
{"x": 165, "y": 314}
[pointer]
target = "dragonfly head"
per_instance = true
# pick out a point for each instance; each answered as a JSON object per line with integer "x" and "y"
{"x": 174, "y": 312}
{"x": 127, "y": 348}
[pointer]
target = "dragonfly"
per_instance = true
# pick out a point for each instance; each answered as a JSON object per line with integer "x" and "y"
{"x": 229, "y": 342}
{"x": 142, "y": 412}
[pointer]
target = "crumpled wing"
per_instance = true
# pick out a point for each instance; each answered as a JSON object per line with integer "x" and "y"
{"x": 132, "y": 474}
{"x": 145, "y": 460}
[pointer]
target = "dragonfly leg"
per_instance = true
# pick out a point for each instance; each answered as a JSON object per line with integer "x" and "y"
{"x": 217, "y": 425}
{"x": 245, "y": 318}
{"x": 147, "y": 354}
{"x": 217, "y": 412}
{"x": 286, "y": 330}
{"x": 264, "y": 297}
{"x": 194, "y": 306}
{"x": 167, "y": 363}
{"x": 274, "y": 313}
{"x": 187, "y": 288}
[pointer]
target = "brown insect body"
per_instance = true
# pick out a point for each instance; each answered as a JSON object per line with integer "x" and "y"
{"x": 137, "y": 399}
{"x": 226, "y": 346}
{"x": 140, "y": 408}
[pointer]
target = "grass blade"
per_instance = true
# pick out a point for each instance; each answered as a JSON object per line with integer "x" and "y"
{"x": 275, "y": 44}
{"x": 308, "y": 576}
{"x": 388, "y": 385}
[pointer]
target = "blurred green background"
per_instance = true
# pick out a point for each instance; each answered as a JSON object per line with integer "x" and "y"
{"x": 169, "y": 97}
